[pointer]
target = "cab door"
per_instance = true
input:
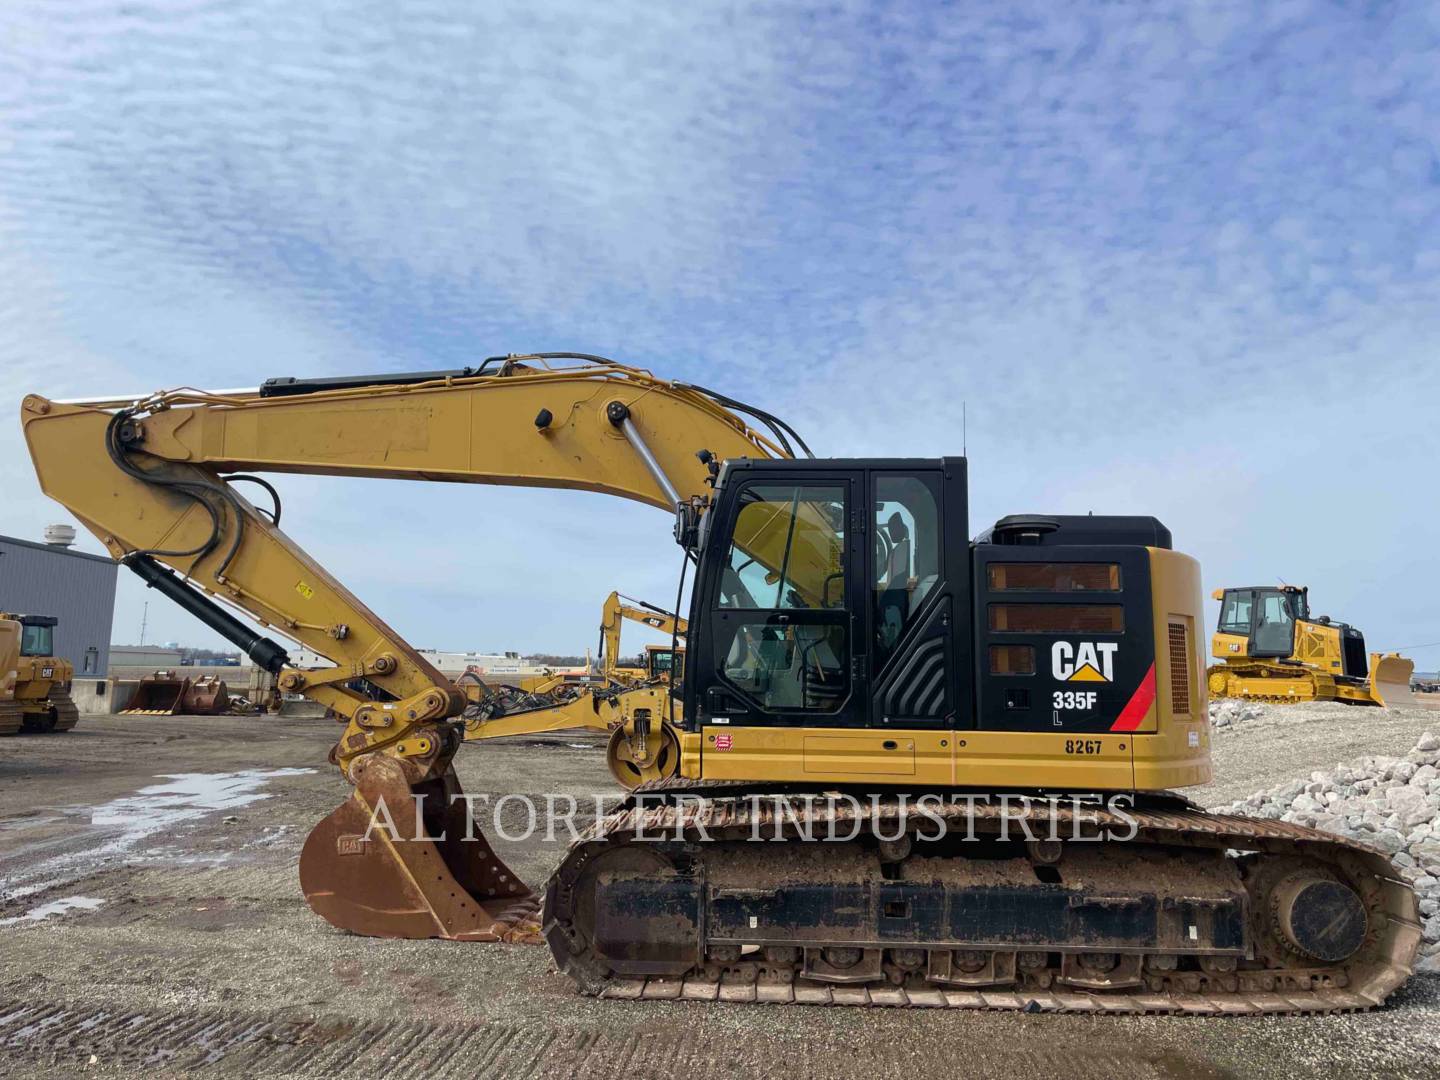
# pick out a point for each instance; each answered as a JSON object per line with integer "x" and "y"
{"x": 781, "y": 614}
{"x": 911, "y": 606}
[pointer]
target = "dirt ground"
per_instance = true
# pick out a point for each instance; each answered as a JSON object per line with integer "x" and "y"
{"x": 164, "y": 931}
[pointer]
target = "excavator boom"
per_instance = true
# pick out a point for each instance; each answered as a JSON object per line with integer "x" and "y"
{"x": 158, "y": 480}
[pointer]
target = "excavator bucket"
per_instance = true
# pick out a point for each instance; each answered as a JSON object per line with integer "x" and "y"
{"x": 160, "y": 694}
{"x": 407, "y": 861}
{"x": 207, "y": 696}
{"x": 1390, "y": 678}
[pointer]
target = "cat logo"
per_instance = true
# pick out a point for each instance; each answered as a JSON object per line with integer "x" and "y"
{"x": 1085, "y": 661}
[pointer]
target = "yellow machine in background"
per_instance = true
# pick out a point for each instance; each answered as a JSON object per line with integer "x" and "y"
{"x": 560, "y": 703}
{"x": 34, "y": 682}
{"x": 660, "y": 660}
{"x": 1272, "y": 650}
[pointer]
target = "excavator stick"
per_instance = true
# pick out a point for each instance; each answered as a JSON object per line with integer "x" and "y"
{"x": 406, "y": 860}
{"x": 1390, "y": 675}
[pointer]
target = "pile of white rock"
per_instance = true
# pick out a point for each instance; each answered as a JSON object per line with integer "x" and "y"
{"x": 1389, "y": 803}
{"x": 1228, "y": 712}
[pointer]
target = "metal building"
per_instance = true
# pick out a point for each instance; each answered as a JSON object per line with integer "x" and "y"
{"x": 78, "y": 589}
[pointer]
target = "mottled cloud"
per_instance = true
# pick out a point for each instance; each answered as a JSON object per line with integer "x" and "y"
{"x": 1177, "y": 258}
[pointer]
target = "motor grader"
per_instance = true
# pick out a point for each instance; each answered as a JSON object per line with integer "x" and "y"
{"x": 34, "y": 682}
{"x": 1271, "y": 649}
{"x": 846, "y": 637}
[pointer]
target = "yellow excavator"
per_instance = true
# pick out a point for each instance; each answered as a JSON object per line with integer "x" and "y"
{"x": 984, "y": 731}
{"x": 1271, "y": 649}
{"x": 660, "y": 660}
{"x": 34, "y": 682}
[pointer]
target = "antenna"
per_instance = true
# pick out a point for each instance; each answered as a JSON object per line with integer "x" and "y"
{"x": 144, "y": 615}
{"x": 964, "y": 429}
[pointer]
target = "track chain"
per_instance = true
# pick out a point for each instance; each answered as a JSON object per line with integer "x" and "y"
{"x": 1382, "y": 964}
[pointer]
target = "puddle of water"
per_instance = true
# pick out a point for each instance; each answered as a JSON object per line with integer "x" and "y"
{"x": 116, "y": 828}
{"x": 55, "y": 907}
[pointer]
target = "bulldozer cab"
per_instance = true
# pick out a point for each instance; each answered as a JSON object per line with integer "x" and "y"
{"x": 37, "y": 634}
{"x": 1260, "y": 621}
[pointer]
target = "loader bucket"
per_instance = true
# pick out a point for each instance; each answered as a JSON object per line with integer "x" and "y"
{"x": 207, "y": 696}
{"x": 1390, "y": 678}
{"x": 433, "y": 875}
{"x": 160, "y": 694}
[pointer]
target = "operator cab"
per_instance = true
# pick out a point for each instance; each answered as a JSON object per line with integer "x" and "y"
{"x": 660, "y": 662}
{"x": 1276, "y": 624}
{"x": 847, "y": 594}
{"x": 1265, "y": 617}
{"x": 37, "y": 635}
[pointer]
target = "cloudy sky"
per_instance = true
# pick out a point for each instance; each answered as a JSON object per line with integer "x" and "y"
{"x": 1179, "y": 259}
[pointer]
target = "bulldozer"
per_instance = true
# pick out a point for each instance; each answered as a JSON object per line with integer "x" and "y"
{"x": 985, "y": 732}
{"x": 34, "y": 682}
{"x": 1271, "y": 649}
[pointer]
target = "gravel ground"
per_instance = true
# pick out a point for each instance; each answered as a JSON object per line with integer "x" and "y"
{"x": 1290, "y": 741}
{"x": 180, "y": 944}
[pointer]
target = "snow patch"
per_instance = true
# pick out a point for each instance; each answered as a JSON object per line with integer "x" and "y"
{"x": 55, "y": 907}
{"x": 187, "y": 797}
{"x": 118, "y": 827}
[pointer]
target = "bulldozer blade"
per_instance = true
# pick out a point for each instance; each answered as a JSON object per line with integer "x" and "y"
{"x": 1390, "y": 678}
{"x": 405, "y": 861}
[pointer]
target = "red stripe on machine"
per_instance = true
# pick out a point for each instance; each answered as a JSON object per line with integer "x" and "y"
{"x": 1139, "y": 704}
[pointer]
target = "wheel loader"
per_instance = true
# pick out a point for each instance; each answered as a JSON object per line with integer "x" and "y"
{"x": 902, "y": 767}
{"x": 1271, "y": 649}
{"x": 34, "y": 682}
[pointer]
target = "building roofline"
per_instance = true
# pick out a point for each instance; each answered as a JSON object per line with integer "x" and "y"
{"x": 57, "y": 549}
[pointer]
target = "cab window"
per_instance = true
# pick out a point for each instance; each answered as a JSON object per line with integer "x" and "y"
{"x": 1235, "y": 613}
{"x": 1274, "y": 610}
{"x": 781, "y": 628}
{"x": 788, "y": 548}
{"x": 37, "y": 641}
{"x": 906, "y": 563}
